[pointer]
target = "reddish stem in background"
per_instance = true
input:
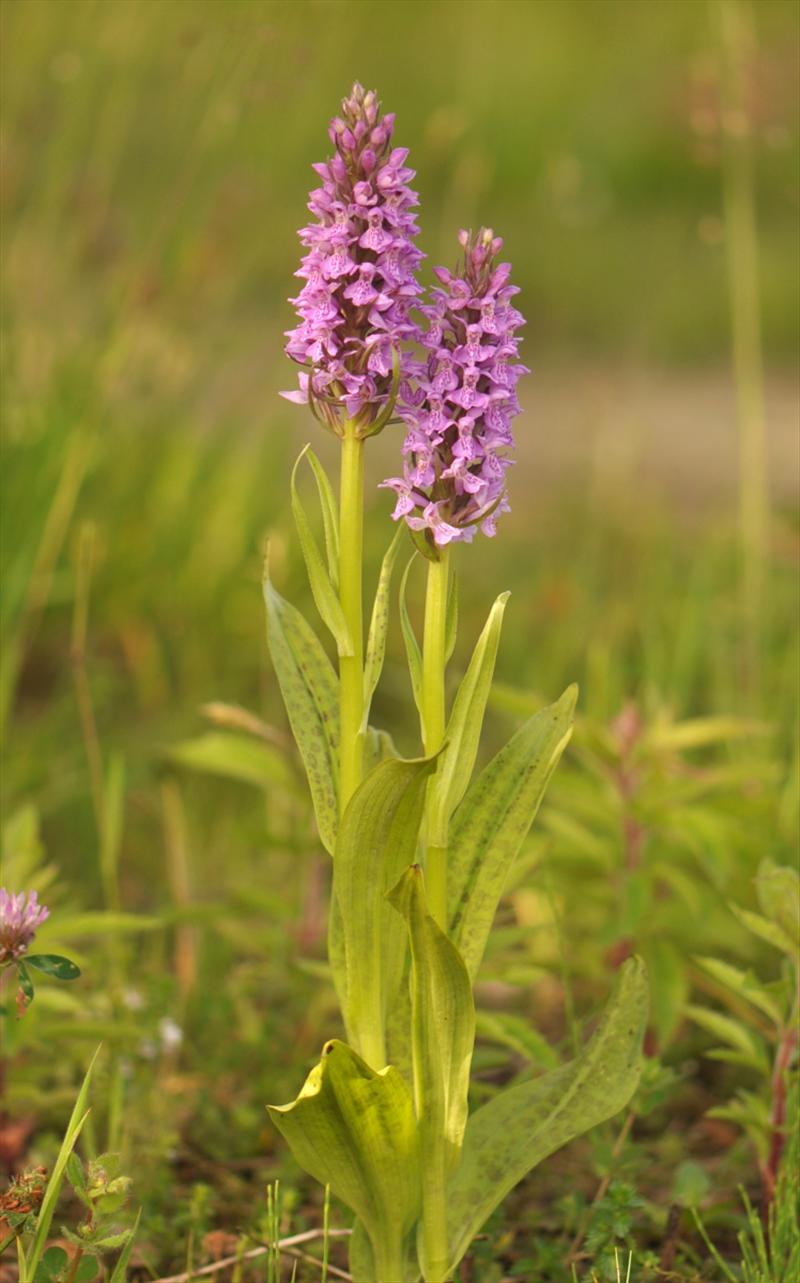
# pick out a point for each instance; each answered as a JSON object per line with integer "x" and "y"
{"x": 783, "y": 1059}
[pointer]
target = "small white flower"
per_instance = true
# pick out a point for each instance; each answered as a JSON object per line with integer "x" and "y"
{"x": 171, "y": 1033}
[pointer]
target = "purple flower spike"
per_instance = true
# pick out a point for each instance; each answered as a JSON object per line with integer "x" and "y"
{"x": 458, "y": 403}
{"x": 359, "y": 273}
{"x": 20, "y": 918}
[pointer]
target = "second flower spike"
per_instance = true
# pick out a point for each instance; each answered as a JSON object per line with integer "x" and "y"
{"x": 460, "y": 403}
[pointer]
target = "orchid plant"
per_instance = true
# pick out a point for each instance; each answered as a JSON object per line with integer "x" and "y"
{"x": 420, "y": 849}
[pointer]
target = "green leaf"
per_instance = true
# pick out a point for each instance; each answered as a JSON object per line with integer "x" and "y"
{"x": 121, "y": 1268}
{"x": 379, "y": 624}
{"x": 112, "y": 1241}
{"x": 330, "y": 515}
{"x": 308, "y": 686}
{"x": 743, "y": 985}
{"x": 690, "y": 1184}
{"x": 236, "y": 757}
{"x": 77, "y": 1119}
{"x": 778, "y": 890}
{"x": 492, "y": 822}
{"x": 464, "y": 727}
{"x": 53, "y": 965}
{"x": 752, "y": 1060}
{"x": 107, "y": 1204}
{"x": 515, "y": 1032}
{"x": 75, "y": 1175}
{"x": 52, "y": 1263}
{"x": 669, "y": 985}
{"x": 100, "y": 923}
{"x": 378, "y": 747}
{"x": 411, "y": 644}
{"x": 360, "y": 1258}
{"x": 766, "y": 930}
{"x": 88, "y": 1267}
{"x": 377, "y": 840}
{"x": 522, "y": 1125}
{"x": 700, "y": 732}
{"x": 442, "y": 1025}
{"x": 726, "y": 1029}
{"x": 322, "y": 589}
{"x": 362, "y": 1261}
{"x": 25, "y": 983}
{"x": 355, "y": 1130}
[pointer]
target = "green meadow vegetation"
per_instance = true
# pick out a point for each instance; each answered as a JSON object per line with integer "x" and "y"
{"x": 640, "y": 159}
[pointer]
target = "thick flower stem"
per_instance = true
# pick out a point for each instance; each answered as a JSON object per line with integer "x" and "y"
{"x": 351, "y": 675}
{"x": 433, "y": 723}
{"x": 390, "y": 1263}
{"x": 434, "y": 1220}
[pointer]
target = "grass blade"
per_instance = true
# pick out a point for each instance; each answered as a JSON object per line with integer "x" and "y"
{"x": 77, "y": 1119}
{"x": 121, "y": 1267}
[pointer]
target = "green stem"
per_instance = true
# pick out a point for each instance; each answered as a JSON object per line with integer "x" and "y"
{"x": 433, "y": 722}
{"x": 434, "y": 663}
{"x": 434, "y": 1218}
{"x": 351, "y": 675}
{"x": 390, "y": 1262}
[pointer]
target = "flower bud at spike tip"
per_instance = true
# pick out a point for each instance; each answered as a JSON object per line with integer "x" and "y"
{"x": 458, "y": 404}
{"x": 359, "y": 272}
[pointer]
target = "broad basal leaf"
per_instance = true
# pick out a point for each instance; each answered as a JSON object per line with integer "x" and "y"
{"x": 355, "y": 1130}
{"x": 308, "y": 687}
{"x": 442, "y": 1023}
{"x": 522, "y": 1125}
{"x": 464, "y": 727}
{"x": 377, "y": 840}
{"x": 493, "y": 820}
{"x": 362, "y": 1261}
{"x": 442, "y": 1038}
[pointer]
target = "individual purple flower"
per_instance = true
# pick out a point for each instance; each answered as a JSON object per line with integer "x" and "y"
{"x": 20, "y": 918}
{"x": 458, "y": 403}
{"x": 359, "y": 273}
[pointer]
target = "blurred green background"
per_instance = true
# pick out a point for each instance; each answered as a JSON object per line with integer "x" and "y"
{"x": 156, "y": 162}
{"x": 156, "y": 165}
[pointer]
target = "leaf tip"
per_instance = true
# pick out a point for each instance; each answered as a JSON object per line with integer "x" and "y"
{"x": 570, "y": 697}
